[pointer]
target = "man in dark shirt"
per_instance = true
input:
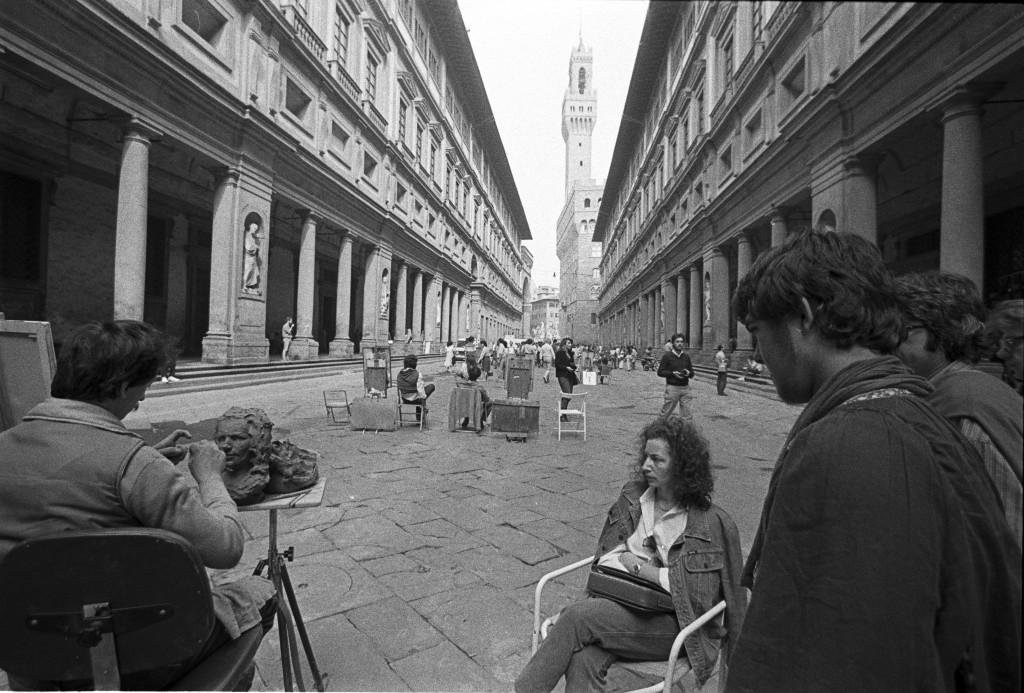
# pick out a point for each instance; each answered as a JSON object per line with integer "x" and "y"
{"x": 676, "y": 369}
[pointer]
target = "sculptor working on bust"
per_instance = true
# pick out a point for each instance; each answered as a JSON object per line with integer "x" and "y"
{"x": 89, "y": 471}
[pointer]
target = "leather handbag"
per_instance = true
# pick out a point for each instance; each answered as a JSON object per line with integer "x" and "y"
{"x": 629, "y": 590}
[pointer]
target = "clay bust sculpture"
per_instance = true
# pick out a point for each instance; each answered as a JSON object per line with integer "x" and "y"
{"x": 244, "y": 437}
{"x": 291, "y": 468}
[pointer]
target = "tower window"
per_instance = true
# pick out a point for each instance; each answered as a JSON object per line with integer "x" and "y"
{"x": 583, "y": 80}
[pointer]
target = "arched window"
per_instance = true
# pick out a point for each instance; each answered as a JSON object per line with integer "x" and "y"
{"x": 586, "y": 202}
{"x": 583, "y": 80}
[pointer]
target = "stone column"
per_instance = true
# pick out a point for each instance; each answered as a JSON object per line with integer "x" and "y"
{"x": 132, "y": 209}
{"x": 222, "y": 261}
{"x": 474, "y": 315}
{"x": 682, "y": 307}
{"x": 744, "y": 258}
{"x": 342, "y": 345}
{"x": 779, "y": 230}
{"x": 304, "y": 346}
{"x": 417, "y": 309}
{"x": 453, "y": 314}
{"x": 430, "y": 333}
{"x": 696, "y": 310}
{"x": 371, "y": 280}
{"x": 446, "y": 335}
{"x": 719, "y": 298}
{"x": 659, "y": 316}
{"x": 668, "y": 302}
{"x": 962, "y": 225}
{"x": 401, "y": 290}
{"x": 861, "y": 197}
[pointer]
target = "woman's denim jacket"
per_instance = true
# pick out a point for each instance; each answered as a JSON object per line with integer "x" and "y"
{"x": 704, "y": 567}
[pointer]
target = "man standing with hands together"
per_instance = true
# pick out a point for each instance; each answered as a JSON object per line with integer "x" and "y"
{"x": 676, "y": 369}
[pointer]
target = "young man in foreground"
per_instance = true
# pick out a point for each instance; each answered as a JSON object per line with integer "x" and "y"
{"x": 882, "y": 561}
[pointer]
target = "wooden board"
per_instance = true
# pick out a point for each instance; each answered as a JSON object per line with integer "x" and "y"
{"x": 515, "y": 416}
{"x": 27, "y": 365}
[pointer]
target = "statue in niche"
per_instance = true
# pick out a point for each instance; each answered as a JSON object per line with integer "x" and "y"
{"x": 291, "y": 468}
{"x": 707, "y": 303}
{"x": 244, "y": 436}
{"x": 385, "y": 297}
{"x": 251, "y": 276}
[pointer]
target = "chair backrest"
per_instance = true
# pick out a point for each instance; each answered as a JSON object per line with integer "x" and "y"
{"x": 154, "y": 582}
{"x": 466, "y": 402}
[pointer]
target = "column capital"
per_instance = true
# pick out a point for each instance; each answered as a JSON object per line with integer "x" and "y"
{"x": 965, "y": 99}
{"x": 135, "y": 127}
{"x": 225, "y": 173}
{"x": 778, "y": 213}
{"x": 865, "y": 164}
{"x": 346, "y": 238}
{"x": 309, "y": 215}
{"x": 743, "y": 237}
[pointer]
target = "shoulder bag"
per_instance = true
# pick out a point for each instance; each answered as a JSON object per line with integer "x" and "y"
{"x": 629, "y": 590}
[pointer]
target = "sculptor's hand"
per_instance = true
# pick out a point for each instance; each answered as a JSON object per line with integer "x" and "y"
{"x": 169, "y": 448}
{"x": 207, "y": 461}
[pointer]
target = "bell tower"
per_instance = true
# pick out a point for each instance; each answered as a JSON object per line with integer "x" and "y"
{"x": 579, "y": 113}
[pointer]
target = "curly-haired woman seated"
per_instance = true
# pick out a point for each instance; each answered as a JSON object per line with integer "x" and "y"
{"x": 665, "y": 529}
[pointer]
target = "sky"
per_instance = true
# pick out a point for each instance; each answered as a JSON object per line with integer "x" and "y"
{"x": 522, "y": 48}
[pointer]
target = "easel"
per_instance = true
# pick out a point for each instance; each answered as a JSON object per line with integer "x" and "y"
{"x": 377, "y": 370}
{"x": 289, "y": 618}
{"x": 27, "y": 366}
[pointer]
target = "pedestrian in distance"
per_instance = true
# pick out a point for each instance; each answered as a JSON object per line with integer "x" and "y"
{"x": 547, "y": 359}
{"x": 722, "y": 362}
{"x": 449, "y": 355}
{"x": 882, "y": 561}
{"x": 946, "y": 337}
{"x": 677, "y": 369}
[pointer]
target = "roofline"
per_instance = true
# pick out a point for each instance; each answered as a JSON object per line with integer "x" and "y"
{"x": 446, "y": 17}
{"x": 650, "y": 54}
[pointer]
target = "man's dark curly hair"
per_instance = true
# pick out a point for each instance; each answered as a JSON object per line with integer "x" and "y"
{"x": 97, "y": 359}
{"x": 951, "y": 310}
{"x": 843, "y": 278}
{"x": 691, "y": 472}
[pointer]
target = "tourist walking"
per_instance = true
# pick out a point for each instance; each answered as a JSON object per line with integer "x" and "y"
{"x": 547, "y": 359}
{"x": 449, "y": 355}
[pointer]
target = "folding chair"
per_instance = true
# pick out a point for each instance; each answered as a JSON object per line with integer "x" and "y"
{"x": 407, "y": 412}
{"x": 576, "y": 418}
{"x": 123, "y": 601}
{"x": 465, "y": 403}
{"x": 337, "y": 399}
{"x": 670, "y": 671}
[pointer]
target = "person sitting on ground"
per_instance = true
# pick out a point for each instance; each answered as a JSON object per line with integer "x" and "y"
{"x": 752, "y": 367}
{"x": 410, "y": 384}
{"x": 71, "y": 464}
{"x": 664, "y": 529}
{"x": 472, "y": 378}
{"x": 946, "y": 338}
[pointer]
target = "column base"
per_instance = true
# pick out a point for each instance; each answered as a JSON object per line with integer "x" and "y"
{"x": 228, "y": 349}
{"x": 342, "y": 348}
{"x": 304, "y": 349}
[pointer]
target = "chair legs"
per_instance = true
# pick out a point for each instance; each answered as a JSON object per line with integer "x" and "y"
{"x": 418, "y": 414}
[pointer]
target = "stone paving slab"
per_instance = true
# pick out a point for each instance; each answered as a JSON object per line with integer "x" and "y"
{"x": 418, "y": 571}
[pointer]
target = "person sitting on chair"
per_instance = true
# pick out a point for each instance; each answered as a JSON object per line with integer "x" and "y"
{"x": 664, "y": 529}
{"x": 410, "y": 384}
{"x": 751, "y": 368}
{"x": 71, "y": 464}
{"x": 472, "y": 376}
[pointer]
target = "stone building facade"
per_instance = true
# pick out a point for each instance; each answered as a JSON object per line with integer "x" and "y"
{"x": 544, "y": 318}
{"x": 578, "y": 256}
{"x": 901, "y": 122}
{"x": 216, "y": 166}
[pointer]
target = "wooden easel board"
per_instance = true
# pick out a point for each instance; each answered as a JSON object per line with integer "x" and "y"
{"x": 27, "y": 365}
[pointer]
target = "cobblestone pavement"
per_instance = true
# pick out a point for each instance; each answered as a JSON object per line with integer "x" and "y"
{"x": 417, "y": 572}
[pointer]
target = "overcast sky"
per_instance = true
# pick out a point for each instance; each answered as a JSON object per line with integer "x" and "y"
{"x": 522, "y": 48}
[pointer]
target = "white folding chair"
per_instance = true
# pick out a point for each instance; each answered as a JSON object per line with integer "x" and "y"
{"x": 575, "y": 414}
{"x": 337, "y": 399}
{"x": 670, "y": 671}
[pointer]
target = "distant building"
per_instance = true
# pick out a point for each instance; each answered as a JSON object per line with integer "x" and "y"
{"x": 215, "y": 166}
{"x": 745, "y": 121}
{"x": 578, "y": 256}
{"x": 544, "y": 318}
{"x": 544, "y": 292}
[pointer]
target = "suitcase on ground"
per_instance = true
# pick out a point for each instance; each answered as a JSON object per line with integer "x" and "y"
{"x": 515, "y": 416}
{"x": 374, "y": 414}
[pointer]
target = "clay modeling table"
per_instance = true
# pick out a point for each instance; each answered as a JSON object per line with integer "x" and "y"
{"x": 289, "y": 618}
